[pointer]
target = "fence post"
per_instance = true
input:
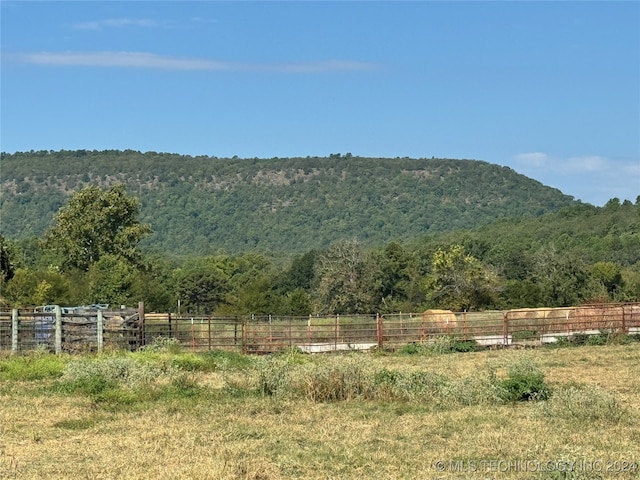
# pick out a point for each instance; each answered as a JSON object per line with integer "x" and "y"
{"x": 335, "y": 338}
{"x": 244, "y": 335}
{"x": 235, "y": 332}
{"x": 99, "y": 331}
{"x": 464, "y": 325}
{"x": 624, "y": 323}
{"x": 14, "y": 330}
{"x": 58, "y": 331}
{"x": 141, "y": 339}
{"x": 169, "y": 320}
{"x": 505, "y": 329}
{"x": 379, "y": 331}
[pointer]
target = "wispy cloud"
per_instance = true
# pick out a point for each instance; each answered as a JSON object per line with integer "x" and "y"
{"x": 577, "y": 164}
{"x": 533, "y": 159}
{"x": 594, "y": 177}
{"x": 592, "y": 163}
{"x": 154, "y": 61}
{"x": 117, "y": 23}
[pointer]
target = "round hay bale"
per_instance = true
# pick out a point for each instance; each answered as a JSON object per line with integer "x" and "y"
{"x": 439, "y": 322}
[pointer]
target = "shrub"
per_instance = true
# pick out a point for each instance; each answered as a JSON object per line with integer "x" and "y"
{"x": 602, "y": 338}
{"x": 462, "y": 345}
{"x": 273, "y": 376}
{"x": 441, "y": 344}
{"x": 598, "y": 339}
{"x": 524, "y": 382}
{"x": 415, "y": 349}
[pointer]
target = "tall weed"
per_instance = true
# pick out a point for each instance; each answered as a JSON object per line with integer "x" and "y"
{"x": 339, "y": 378}
{"x": 583, "y": 404}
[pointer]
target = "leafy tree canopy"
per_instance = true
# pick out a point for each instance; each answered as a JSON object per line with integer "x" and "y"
{"x": 94, "y": 223}
{"x": 461, "y": 282}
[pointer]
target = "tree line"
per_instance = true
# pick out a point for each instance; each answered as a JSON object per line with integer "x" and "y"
{"x": 92, "y": 254}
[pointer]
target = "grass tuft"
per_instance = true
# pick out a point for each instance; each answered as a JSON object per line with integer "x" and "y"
{"x": 32, "y": 366}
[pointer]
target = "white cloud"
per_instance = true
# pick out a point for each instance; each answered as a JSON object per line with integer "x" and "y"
{"x": 534, "y": 159}
{"x": 633, "y": 170}
{"x": 591, "y": 178}
{"x": 573, "y": 165}
{"x": 116, "y": 23}
{"x": 592, "y": 163}
{"x": 120, "y": 59}
{"x": 153, "y": 61}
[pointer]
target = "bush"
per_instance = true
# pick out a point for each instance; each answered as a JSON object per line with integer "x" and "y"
{"x": 441, "y": 344}
{"x": 599, "y": 339}
{"x": 524, "y": 382}
{"x": 415, "y": 349}
{"x": 273, "y": 376}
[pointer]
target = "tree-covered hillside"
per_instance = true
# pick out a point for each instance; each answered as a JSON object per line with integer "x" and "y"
{"x": 580, "y": 254}
{"x": 203, "y": 204}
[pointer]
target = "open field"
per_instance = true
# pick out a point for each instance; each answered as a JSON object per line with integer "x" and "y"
{"x": 167, "y": 413}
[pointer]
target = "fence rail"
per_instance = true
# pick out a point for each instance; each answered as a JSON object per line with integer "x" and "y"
{"x": 133, "y": 328}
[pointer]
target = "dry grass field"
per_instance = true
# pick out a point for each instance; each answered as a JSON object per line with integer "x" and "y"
{"x": 168, "y": 414}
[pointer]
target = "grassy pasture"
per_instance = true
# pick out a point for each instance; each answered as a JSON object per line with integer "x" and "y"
{"x": 169, "y": 413}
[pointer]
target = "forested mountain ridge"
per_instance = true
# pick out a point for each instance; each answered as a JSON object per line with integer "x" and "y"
{"x": 203, "y": 204}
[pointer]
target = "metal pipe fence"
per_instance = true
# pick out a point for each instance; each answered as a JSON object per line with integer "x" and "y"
{"x": 95, "y": 330}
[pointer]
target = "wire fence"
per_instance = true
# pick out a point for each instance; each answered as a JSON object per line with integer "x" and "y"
{"x": 95, "y": 330}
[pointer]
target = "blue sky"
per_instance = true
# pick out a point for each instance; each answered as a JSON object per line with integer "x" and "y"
{"x": 550, "y": 89}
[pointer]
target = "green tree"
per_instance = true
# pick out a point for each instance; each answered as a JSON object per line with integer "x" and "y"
{"x": 258, "y": 297}
{"x": 202, "y": 289}
{"x": 30, "y": 288}
{"x": 299, "y": 274}
{"x": 6, "y": 261}
{"x": 298, "y": 302}
{"x": 562, "y": 277}
{"x": 395, "y": 275}
{"x": 96, "y": 223}
{"x": 346, "y": 281}
{"x": 609, "y": 274}
{"x": 461, "y": 282}
{"x": 7, "y": 268}
{"x": 631, "y": 285}
{"x": 111, "y": 280}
